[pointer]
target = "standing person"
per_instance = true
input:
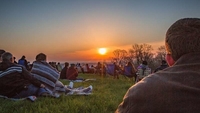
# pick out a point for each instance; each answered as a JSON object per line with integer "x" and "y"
{"x": 116, "y": 71}
{"x": 177, "y": 88}
{"x": 16, "y": 81}
{"x": 143, "y": 70}
{"x": 23, "y": 62}
{"x": 162, "y": 66}
{"x": 64, "y": 71}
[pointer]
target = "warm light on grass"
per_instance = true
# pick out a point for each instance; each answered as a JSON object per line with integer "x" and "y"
{"x": 102, "y": 51}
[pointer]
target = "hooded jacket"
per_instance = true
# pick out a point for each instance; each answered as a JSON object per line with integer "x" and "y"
{"x": 175, "y": 89}
{"x": 14, "y": 78}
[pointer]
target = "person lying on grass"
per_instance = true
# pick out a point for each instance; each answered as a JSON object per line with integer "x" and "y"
{"x": 16, "y": 81}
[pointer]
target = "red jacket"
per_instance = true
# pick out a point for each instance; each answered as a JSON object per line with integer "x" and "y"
{"x": 72, "y": 73}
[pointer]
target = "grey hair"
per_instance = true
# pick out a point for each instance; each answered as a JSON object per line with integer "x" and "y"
{"x": 6, "y": 56}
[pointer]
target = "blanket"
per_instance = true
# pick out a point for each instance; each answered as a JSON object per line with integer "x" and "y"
{"x": 85, "y": 80}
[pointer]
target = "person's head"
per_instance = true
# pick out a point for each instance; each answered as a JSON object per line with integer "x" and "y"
{"x": 23, "y": 57}
{"x": 144, "y": 63}
{"x": 41, "y": 57}
{"x": 182, "y": 37}
{"x": 66, "y": 64}
{"x": 72, "y": 65}
{"x": 1, "y": 52}
{"x": 129, "y": 64}
{"x": 7, "y": 57}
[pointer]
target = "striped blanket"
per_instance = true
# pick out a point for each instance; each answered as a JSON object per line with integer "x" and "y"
{"x": 47, "y": 75}
{"x": 10, "y": 70}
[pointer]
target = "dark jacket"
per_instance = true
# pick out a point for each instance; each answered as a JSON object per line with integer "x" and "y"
{"x": 175, "y": 89}
{"x": 161, "y": 67}
{"x": 14, "y": 78}
{"x": 63, "y": 73}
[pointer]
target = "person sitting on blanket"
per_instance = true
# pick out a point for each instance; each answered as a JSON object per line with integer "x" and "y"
{"x": 72, "y": 73}
{"x": 16, "y": 81}
{"x": 49, "y": 76}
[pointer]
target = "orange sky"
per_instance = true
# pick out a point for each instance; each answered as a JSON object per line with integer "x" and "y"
{"x": 74, "y": 30}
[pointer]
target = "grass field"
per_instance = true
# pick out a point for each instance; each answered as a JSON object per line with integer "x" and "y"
{"x": 106, "y": 96}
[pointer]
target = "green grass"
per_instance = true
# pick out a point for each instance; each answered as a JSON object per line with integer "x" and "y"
{"x": 106, "y": 96}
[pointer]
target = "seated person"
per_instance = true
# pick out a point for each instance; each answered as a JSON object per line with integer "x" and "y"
{"x": 72, "y": 73}
{"x": 47, "y": 74}
{"x": 16, "y": 81}
{"x": 93, "y": 69}
{"x": 162, "y": 66}
{"x": 64, "y": 71}
{"x": 176, "y": 88}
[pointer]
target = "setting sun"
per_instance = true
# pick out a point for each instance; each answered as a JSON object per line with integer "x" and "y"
{"x": 102, "y": 51}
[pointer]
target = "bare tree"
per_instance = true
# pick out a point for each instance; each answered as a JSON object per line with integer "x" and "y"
{"x": 141, "y": 52}
{"x": 161, "y": 53}
{"x": 120, "y": 56}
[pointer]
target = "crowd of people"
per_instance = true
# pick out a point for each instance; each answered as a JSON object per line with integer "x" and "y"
{"x": 42, "y": 79}
{"x": 49, "y": 73}
{"x": 172, "y": 87}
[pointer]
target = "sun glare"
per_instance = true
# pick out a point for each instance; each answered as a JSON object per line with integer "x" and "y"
{"x": 102, "y": 51}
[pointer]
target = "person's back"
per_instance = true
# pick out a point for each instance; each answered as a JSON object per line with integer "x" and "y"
{"x": 143, "y": 70}
{"x": 44, "y": 72}
{"x": 72, "y": 73}
{"x": 23, "y": 62}
{"x": 64, "y": 71}
{"x": 175, "y": 89}
{"x": 15, "y": 80}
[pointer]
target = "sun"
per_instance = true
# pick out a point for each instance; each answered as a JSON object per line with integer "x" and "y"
{"x": 102, "y": 51}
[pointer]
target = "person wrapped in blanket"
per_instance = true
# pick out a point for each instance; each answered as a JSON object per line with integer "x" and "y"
{"x": 49, "y": 76}
{"x": 16, "y": 81}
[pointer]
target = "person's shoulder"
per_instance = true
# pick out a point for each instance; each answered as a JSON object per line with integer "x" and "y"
{"x": 148, "y": 83}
